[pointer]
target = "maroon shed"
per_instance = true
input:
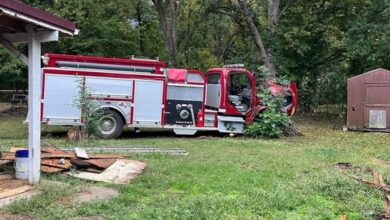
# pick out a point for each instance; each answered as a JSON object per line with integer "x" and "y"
{"x": 368, "y": 105}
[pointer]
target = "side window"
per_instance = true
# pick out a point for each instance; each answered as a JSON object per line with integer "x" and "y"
{"x": 214, "y": 79}
{"x": 238, "y": 82}
{"x": 240, "y": 93}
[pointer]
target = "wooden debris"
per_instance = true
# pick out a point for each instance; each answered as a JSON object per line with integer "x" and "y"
{"x": 55, "y": 160}
{"x": 16, "y": 191}
{"x": 101, "y": 163}
{"x": 377, "y": 183}
{"x": 14, "y": 149}
{"x": 58, "y": 163}
{"x": 81, "y": 153}
{"x": 79, "y": 163}
{"x": 121, "y": 172}
{"x": 51, "y": 150}
{"x": 49, "y": 169}
{"x": 7, "y": 156}
{"x": 5, "y": 162}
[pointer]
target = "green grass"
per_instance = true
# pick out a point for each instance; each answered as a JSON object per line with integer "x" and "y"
{"x": 224, "y": 178}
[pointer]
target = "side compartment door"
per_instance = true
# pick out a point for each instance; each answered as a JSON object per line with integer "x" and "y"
{"x": 60, "y": 95}
{"x": 213, "y": 90}
{"x": 148, "y": 103}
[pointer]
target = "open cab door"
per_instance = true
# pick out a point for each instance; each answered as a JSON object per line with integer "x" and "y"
{"x": 290, "y": 94}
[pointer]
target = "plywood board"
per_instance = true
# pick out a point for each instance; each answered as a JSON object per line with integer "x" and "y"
{"x": 121, "y": 172}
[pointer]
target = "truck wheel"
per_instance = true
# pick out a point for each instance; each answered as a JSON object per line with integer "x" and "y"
{"x": 110, "y": 125}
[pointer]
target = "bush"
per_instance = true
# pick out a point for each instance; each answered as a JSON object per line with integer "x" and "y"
{"x": 271, "y": 123}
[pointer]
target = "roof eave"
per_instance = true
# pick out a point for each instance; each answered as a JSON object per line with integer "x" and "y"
{"x": 39, "y": 23}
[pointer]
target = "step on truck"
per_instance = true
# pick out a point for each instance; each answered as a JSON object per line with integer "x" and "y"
{"x": 142, "y": 93}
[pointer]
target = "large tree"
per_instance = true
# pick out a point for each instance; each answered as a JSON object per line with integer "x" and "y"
{"x": 168, "y": 14}
{"x": 265, "y": 55}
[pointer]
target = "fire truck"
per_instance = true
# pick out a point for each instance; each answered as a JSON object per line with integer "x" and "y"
{"x": 142, "y": 93}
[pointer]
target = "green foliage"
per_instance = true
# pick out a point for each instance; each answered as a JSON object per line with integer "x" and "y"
{"x": 318, "y": 44}
{"x": 13, "y": 74}
{"x": 271, "y": 123}
{"x": 90, "y": 110}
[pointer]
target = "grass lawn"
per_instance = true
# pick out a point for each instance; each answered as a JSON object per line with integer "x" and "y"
{"x": 224, "y": 178}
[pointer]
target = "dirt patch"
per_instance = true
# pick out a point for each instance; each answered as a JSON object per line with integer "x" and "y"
{"x": 93, "y": 194}
{"x": 13, "y": 110}
{"x": 375, "y": 182}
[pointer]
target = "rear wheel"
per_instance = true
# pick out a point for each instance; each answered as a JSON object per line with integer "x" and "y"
{"x": 110, "y": 125}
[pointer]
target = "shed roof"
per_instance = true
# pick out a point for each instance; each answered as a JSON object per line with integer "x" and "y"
{"x": 14, "y": 16}
{"x": 379, "y": 70}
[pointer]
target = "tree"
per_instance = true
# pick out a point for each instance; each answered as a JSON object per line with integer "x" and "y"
{"x": 168, "y": 14}
{"x": 265, "y": 56}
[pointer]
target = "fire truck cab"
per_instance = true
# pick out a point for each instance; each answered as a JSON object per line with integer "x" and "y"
{"x": 141, "y": 93}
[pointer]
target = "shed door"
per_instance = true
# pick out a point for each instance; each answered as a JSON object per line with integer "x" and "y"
{"x": 377, "y": 106}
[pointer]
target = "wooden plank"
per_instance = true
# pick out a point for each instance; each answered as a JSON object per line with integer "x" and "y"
{"x": 58, "y": 163}
{"x": 101, "y": 163}
{"x": 7, "y": 156}
{"x": 48, "y": 169}
{"x": 14, "y": 149}
{"x": 5, "y": 162}
{"x": 15, "y": 191}
{"x": 51, "y": 150}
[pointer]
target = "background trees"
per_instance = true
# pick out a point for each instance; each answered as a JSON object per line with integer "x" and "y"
{"x": 319, "y": 44}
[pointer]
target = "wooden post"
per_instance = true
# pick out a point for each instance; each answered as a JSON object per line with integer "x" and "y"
{"x": 34, "y": 105}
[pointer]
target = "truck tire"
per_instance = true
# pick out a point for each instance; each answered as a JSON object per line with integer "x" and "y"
{"x": 110, "y": 125}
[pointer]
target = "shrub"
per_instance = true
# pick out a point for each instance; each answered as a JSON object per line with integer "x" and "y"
{"x": 271, "y": 123}
{"x": 90, "y": 111}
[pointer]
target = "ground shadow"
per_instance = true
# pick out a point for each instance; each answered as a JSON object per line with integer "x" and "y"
{"x": 129, "y": 133}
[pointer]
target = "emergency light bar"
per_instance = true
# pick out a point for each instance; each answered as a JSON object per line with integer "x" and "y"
{"x": 239, "y": 66}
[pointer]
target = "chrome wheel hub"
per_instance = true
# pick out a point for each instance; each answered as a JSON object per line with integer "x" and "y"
{"x": 107, "y": 124}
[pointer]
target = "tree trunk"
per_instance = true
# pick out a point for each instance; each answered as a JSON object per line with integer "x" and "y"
{"x": 168, "y": 14}
{"x": 264, "y": 55}
{"x": 141, "y": 31}
{"x": 273, "y": 14}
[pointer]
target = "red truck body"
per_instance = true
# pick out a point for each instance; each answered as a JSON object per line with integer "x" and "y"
{"x": 144, "y": 93}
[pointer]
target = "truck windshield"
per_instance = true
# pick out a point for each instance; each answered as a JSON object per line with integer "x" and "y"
{"x": 239, "y": 93}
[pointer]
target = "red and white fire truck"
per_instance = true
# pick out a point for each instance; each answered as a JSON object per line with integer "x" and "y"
{"x": 143, "y": 93}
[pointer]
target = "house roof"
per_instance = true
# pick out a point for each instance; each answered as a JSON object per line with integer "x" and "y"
{"x": 14, "y": 16}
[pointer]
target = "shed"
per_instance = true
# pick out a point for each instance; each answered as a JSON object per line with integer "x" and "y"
{"x": 368, "y": 107}
{"x": 21, "y": 23}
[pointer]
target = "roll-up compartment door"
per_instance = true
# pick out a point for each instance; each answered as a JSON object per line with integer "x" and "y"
{"x": 148, "y": 101}
{"x": 60, "y": 97}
